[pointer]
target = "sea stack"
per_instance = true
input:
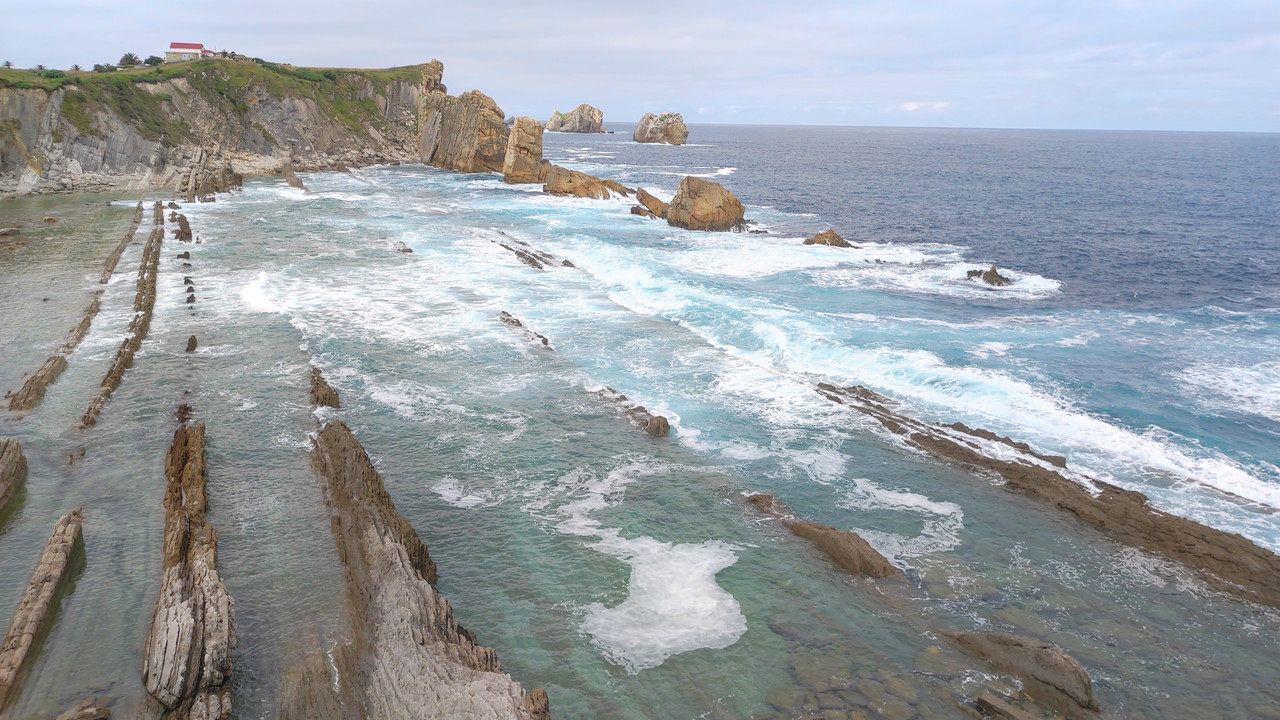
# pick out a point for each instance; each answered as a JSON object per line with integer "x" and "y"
{"x": 523, "y": 162}
{"x": 582, "y": 119}
{"x": 668, "y": 128}
{"x": 704, "y": 205}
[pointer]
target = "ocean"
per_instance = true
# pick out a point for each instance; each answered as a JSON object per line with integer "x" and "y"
{"x": 1140, "y": 339}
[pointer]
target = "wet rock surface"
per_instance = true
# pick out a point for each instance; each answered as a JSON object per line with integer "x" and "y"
{"x": 845, "y": 548}
{"x": 38, "y": 608}
{"x": 13, "y": 470}
{"x": 1049, "y": 674}
{"x": 91, "y": 709}
{"x": 565, "y": 182}
{"x": 582, "y": 119}
{"x": 188, "y": 652}
{"x": 289, "y": 174}
{"x": 322, "y": 394}
{"x": 639, "y": 415}
{"x": 991, "y": 277}
{"x": 704, "y": 205}
{"x": 666, "y": 128}
{"x": 183, "y": 231}
{"x": 828, "y": 237}
{"x": 211, "y": 176}
{"x": 1226, "y": 561}
{"x": 114, "y": 258}
{"x": 655, "y": 206}
{"x": 513, "y": 321}
{"x": 405, "y": 656}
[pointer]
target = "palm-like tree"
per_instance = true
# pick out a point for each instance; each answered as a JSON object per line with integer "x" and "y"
{"x": 128, "y": 60}
{"x": 39, "y": 68}
{"x": 76, "y": 68}
{"x": 8, "y": 64}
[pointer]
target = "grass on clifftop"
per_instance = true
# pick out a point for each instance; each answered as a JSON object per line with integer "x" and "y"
{"x": 227, "y": 84}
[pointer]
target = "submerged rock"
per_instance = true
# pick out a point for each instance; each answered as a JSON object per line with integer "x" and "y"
{"x": 13, "y": 470}
{"x": 1049, "y": 674}
{"x": 523, "y": 162}
{"x": 845, "y": 548}
{"x": 666, "y": 128}
{"x": 582, "y": 119}
{"x": 990, "y": 277}
{"x": 91, "y": 709}
{"x": 828, "y": 237}
{"x": 114, "y": 258}
{"x": 704, "y": 205}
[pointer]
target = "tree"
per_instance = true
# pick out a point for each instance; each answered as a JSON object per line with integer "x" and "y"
{"x": 8, "y": 64}
{"x": 154, "y": 60}
{"x": 100, "y": 68}
{"x": 39, "y": 68}
{"x": 129, "y": 60}
{"x": 76, "y": 68}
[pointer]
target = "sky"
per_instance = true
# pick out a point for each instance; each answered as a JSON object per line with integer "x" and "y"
{"x": 1088, "y": 64}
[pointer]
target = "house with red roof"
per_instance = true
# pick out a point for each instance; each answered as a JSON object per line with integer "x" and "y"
{"x": 179, "y": 52}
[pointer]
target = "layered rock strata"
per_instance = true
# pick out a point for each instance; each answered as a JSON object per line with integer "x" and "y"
{"x": 114, "y": 258}
{"x": 91, "y": 709}
{"x": 13, "y": 470}
{"x": 523, "y": 162}
{"x": 37, "y": 609}
{"x": 653, "y": 205}
{"x": 183, "y": 231}
{"x": 1048, "y": 674}
{"x": 464, "y": 133}
{"x": 212, "y": 176}
{"x": 143, "y": 305}
{"x": 188, "y": 653}
{"x": 582, "y": 119}
{"x": 668, "y": 128}
{"x": 845, "y": 548}
{"x": 289, "y": 174}
{"x": 33, "y": 390}
{"x": 1225, "y": 560}
{"x": 407, "y": 657}
{"x": 322, "y": 394}
{"x": 828, "y": 237}
{"x": 704, "y": 205}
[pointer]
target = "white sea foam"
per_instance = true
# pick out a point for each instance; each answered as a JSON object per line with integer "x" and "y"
{"x": 255, "y": 298}
{"x": 454, "y": 493}
{"x": 1254, "y": 389}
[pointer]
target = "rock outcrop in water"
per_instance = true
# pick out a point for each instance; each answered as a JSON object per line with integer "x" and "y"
{"x": 13, "y": 470}
{"x": 668, "y": 128}
{"x": 211, "y": 176}
{"x": 523, "y": 162}
{"x": 37, "y": 609}
{"x": 188, "y": 653}
{"x": 1225, "y": 560}
{"x": 655, "y": 206}
{"x": 322, "y": 394}
{"x": 513, "y": 321}
{"x": 289, "y": 174}
{"x": 183, "y": 231}
{"x": 845, "y": 548}
{"x": 564, "y": 182}
{"x": 91, "y": 709}
{"x": 582, "y": 119}
{"x": 406, "y": 656}
{"x": 464, "y": 133}
{"x": 991, "y": 277}
{"x": 655, "y": 425}
{"x": 1048, "y": 674}
{"x": 114, "y": 258}
{"x": 828, "y": 237}
{"x": 704, "y": 205}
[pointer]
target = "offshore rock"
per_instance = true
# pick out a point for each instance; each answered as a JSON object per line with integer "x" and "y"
{"x": 183, "y": 232}
{"x": 666, "y": 128}
{"x": 582, "y": 119}
{"x": 704, "y": 205}
{"x": 13, "y": 470}
{"x": 564, "y": 182}
{"x": 33, "y": 389}
{"x": 523, "y": 162}
{"x": 191, "y": 344}
{"x": 642, "y": 212}
{"x": 990, "y": 277}
{"x": 406, "y": 656}
{"x": 464, "y": 133}
{"x": 655, "y": 425}
{"x": 114, "y": 258}
{"x": 322, "y": 394}
{"x": 37, "y": 610}
{"x": 997, "y": 709}
{"x": 828, "y": 237}
{"x": 206, "y": 181}
{"x": 290, "y": 176}
{"x": 1049, "y": 674}
{"x": 172, "y": 205}
{"x": 188, "y": 653}
{"x": 1227, "y": 561}
{"x": 513, "y": 321}
{"x": 652, "y": 204}
{"x": 845, "y": 548}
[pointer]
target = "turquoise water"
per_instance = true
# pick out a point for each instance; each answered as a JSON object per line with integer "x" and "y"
{"x": 623, "y": 572}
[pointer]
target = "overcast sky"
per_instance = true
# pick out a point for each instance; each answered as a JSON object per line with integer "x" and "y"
{"x": 1121, "y": 64}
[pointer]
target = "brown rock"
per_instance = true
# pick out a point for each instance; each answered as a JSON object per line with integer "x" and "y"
{"x": 561, "y": 181}
{"x": 1049, "y": 674}
{"x": 990, "y": 277}
{"x": 37, "y": 609}
{"x": 183, "y": 256}
{"x": 10, "y": 231}
{"x": 322, "y": 394}
{"x": 464, "y": 133}
{"x": 523, "y": 161}
{"x": 666, "y": 128}
{"x": 91, "y": 709}
{"x": 114, "y": 258}
{"x": 704, "y": 205}
{"x": 207, "y": 179}
{"x": 50, "y": 219}
{"x": 287, "y": 172}
{"x": 183, "y": 232}
{"x": 997, "y": 709}
{"x": 33, "y": 389}
{"x": 582, "y": 119}
{"x": 652, "y": 204}
{"x": 191, "y": 344}
{"x": 13, "y": 470}
{"x": 641, "y": 211}
{"x": 828, "y": 237}
{"x": 617, "y": 187}
{"x": 173, "y": 205}
{"x": 846, "y": 549}
{"x": 188, "y": 653}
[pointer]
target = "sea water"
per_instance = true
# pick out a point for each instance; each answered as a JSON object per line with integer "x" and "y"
{"x": 623, "y": 572}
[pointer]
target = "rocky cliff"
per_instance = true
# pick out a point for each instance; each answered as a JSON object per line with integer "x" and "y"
{"x": 144, "y": 129}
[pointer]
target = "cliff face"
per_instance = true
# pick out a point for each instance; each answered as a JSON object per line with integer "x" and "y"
{"x": 143, "y": 129}
{"x": 464, "y": 133}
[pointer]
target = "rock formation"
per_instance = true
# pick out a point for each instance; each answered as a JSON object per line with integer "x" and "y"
{"x": 655, "y": 425}
{"x": 582, "y": 119}
{"x": 666, "y": 128}
{"x": 91, "y": 709}
{"x": 990, "y": 277}
{"x": 114, "y": 258}
{"x": 652, "y": 204}
{"x": 37, "y": 610}
{"x": 704, "y": 205}
{"x": 191, "y": 344}
{"x": 183, "y": 231}
{"x": 561, "y": 181}
{"x": 290, "y": 176}
{"x": 33, "y": 390}
{"x": 210, "y": 177}
{"x": 13, "y": 470}
{"x": 845, "y": 548}
{"x": 514, "y": 322}
{"x": 1225, "y": 560}
{"x": 464, "y": 133}
{"x": 523, "y": 162}
{"x": 1048, "y": 674}
{"x": 322, "y": 394}
{"x": 406, "y": 656}
{"x": 828, "y": 237}
{"x": 188, "y": 653}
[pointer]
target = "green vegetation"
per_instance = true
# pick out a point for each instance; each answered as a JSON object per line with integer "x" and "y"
{"x": 154, "y": 60}
{"x": 100, "y": 68}
{"x": 129, "y": 60}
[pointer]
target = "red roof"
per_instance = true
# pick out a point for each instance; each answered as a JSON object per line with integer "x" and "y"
{"x": 186, "y": 46}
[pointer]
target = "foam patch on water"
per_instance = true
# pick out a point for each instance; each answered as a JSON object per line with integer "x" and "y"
{"x": 255, "y": 297}
{"x": 1254, "y": 389}
{"x": 935, "y": 278}
{"x": 454, "y": 493}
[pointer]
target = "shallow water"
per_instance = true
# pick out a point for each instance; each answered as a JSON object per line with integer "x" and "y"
{"x": 623, "y": 572}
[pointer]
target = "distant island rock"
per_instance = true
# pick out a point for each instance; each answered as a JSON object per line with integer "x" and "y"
{"x": 666, "y": 128}
{"x": 704, "y": 205}
{"x": 582, "y": 119}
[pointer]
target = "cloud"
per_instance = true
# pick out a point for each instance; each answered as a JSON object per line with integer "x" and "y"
{"x": 931, "y": 107}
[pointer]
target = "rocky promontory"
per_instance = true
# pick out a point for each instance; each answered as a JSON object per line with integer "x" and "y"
{"x": 582, "y": 119}
{"x": 704, "y": 205}
{"x": 668, "y": 128}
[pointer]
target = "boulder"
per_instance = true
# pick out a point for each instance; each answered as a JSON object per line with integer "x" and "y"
{"x": 642, "y": 211}
{"x": 290, "y": 176}
{"x": 523, "y": 162}
{"x": 828, "y": 237}
{"x": 191, "y": 344}
{"x": 173, "y": 205}
{"x": 990, "y": 277}
{"x": 652, "y": 204}
{"x": 183, "y": 232}
{"x": 666, "y": 128}
{"x": 845, "y": 548}
{"x": 464, "y": 133}
{"x": 704, "y": 205}
{"x": 322, "y": 394}
{"x": 1048, "y": 673}
{"x": 582, "y": 119}
{"x": 565, "y": 182}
